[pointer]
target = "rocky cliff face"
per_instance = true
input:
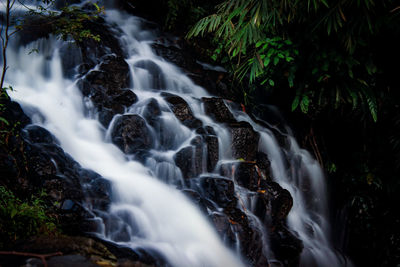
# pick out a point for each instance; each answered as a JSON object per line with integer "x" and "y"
{"x": 31, "y": 159}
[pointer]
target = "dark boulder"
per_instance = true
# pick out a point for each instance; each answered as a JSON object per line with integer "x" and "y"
{"x": 177, "y": 56}
{"x": 250, "y": 236}
{"x": 130, "y": 134}
{"x": 206, "y": 130}
{"x": 156, "y": 76}
{"x": 97, "y": 190}
{"x": 37, "y": 134}
{"x": 196, "y": 198}
{"x": 281, "y": 201}
{"x": 273, "y": 203}
{"x": 41, "y": 164}
{"x": 78, "y": 251}
{"x": 244, "y": 141}
{"x": 112, "y": 76}
{"x": 223, "y": 225}
{"x": 220, "y": 190}
{"x": 264, "y": 165}
{"x": 238, "y": 230}
{"x": 177, "y": 51}
{"x": 188, "y": 163}
{"x": 114, "y": 103}
{"x": 65, "y": 261}
{"x": 286, "y": 246}
{"x": 152, "y": 112}
{"x": 216, "y": 108}
{"x": 182, "y": 110}
{"x": 190, "y": 159}
{"x": 94, "y": 52}
{"x": 212, "y": 147}
{"x": 245, "y": 173}
{"x": 106, "y": 87}
{"x": 12, "y": 112}
{"x": 121, "y": 97}
{"x": 105, "y": 116}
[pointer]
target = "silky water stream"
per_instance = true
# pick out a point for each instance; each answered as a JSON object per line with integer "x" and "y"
{"x": 153, "y": 212}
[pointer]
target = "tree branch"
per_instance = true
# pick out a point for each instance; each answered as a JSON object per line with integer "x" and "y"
{"x": 27, "y": 254}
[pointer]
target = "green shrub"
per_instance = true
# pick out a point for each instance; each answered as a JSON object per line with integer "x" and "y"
{"x": 20, "y": 220}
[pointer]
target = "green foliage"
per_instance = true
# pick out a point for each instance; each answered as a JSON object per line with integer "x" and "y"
{"x": 4, "y": 96}
{"x": 20, "y": 220}
{"x": 316, "y": 50}
{"x": 183, "y": 11}
{"x": 72, "y": 22}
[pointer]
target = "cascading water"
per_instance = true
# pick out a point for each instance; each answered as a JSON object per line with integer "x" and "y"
{"x": 305, "y": 182}
{"x": 151, "y": 211}
{"x": 166, "y": 221}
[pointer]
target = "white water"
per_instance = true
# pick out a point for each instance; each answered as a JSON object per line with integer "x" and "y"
{"x": 304, "y": 179}
{"x": 159, "y": 216}
{"x": 168, "y": 222}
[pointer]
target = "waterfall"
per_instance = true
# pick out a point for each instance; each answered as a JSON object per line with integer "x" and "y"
{"x": 152, "y": 211}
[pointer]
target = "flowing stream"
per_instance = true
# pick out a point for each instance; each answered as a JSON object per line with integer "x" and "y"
{"x": 154, "y": 213}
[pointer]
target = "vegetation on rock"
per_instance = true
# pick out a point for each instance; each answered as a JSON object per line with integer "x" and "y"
{"x": 329, "y": 66}
{"x": 21, "y": 220}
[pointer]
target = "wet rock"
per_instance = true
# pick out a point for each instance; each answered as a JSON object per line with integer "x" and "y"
{"x": 246, "y": 174}
{"x": 220, "y": 190}
{"x": 122, "y": 97}
{"x": 139, "y": 257}
{"x": 105, "y": 116}
{"x": 13, "y": 113}
{"x": 41, "y": 164}
{"x": 67, "y": 205}
{"x": 112, "y": 76}
{"x": 262, "y": 207}
{"x": 106, "y": 87}
{"x": 282, "y": 202}
{"x": 130, "y": 134}
{"x": 244, "y": 141}
{"x": 249, "y": 236}
{"x": 64, "y": 190}
{"x": 8, "y": 166}
{"x": 190, "y": 159}
{"x": 94, "y": 52}
{"x": 189, "y": 163}
{"x": 112, "y": 104}
{"x": 176, "y": 55}
{"x": 264, "y": 165}
{"x": 195, "y": 197}
{"x": 273, "y": 203}
{"x": 223, "y": 226}
{"x": 212, "y": 151}
{"x": 37, "y": 134}
{"x": 211, "y": 146}
{"x": 61, "y": 261}
{"x": 152, "y": 112}
{"x": 117, "y": 71}
{"x": 216, "y": 108}
{"x": 156, "y": 78}
{"x": 71, "y": 57}
{"x": 98, "y": 193}
{"x": 83, "y": 246}
{"x": 182, "y": 111}
{"x": 180, "y": 54}
{"x": 206, "y": 130}
{"x": 286, "y": 246}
